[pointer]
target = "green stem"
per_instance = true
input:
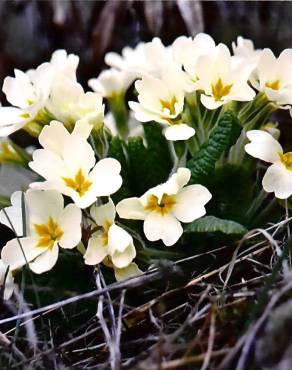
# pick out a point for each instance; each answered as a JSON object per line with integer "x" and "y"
{"x": 23, "y": 155}
{"x": 120, "y": 113}
{"x": 178, "y": 150}
{"x": 260, "y": 117}
{"x": 193, "y": 145}
{"x": 256, "y": 204}
{"x": 237, "y": 152}
{"x": 253, "y": 107}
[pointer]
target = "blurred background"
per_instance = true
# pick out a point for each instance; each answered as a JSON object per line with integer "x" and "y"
{"x": 31, "y": 30}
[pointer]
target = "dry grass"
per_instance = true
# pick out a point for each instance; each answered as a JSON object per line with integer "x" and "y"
{"x": 210, "y": 321}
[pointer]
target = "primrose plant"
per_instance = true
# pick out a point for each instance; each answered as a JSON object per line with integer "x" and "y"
{"x": 171, "y": 161}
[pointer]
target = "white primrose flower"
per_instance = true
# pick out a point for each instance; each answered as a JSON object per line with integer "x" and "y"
{"x": 129, "y": 57}
{"x": 111, "y": 82}
{"x": 244, "y": 51}
{"x": 63, "y": 64}
{"x": 48, "y": 226}
{"x": 145, "y": 58}
{"x": 163, "y": 207}
{"x": 187, "y": 50}
{"x": 109, "y": 239}
{"x": 27, "y": 96}
{"x": 273, "y": 76}
{"x": 6, "y": 280}
{"x": 278, "y": 178}
{"x": 68, "y": 165}
{"x": 162, "y": 100}
{"x": 221, "y": 80}
{"x": 69, "y": 103}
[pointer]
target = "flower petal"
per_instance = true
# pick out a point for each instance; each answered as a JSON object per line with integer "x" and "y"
{"x": 45, "y": 261}
{"x": 10, "y": 120}
{"x": 78, "y": 154}
{"x": 179, "y": 132}
{"x": 43, "y": 204}
{"x": 96, "y": 251}
{"x": 104, "y": 214}
{"x": 263, "y": 146}
{"x": 127, "y": 272}
{"x": 131, "y": 208}
{"x": 6, "y": 279}
{"x": 124, "y": 258}
{"x": 190, "y": 203}
{"x": 18, "y": 89}
{"x": 83, "y": 201}
{"x": 83, "y": 128}
{"x": 12, "y": 216}
{"x": 210, "y": 103}
{"x": 106, "y": 177}
{"x": 47, "y": 164}
{"x": 53, "y": 137}
{"x": 70, "y": 223}
{"x": 176, "y": 182}
{"x": 13, "y": 255}
{"x": 118, "y": 239}
{"x": 167, "y": 228}
{"x": 278, "y": 179}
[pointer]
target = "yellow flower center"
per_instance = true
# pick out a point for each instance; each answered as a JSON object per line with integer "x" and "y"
{"x": 274, "y": 85}
{"x": 286, "y": 159}
{"x": 219, "y": 90}
{"x": 269, "y": 125}
{"x": 24, "y": 115}
{"x": 170, "y": 105}
{"x": 163, "y": 207}
{"x": 104, "y": 235}
{"x": 48, "y": 233}
{"x": 78, "y": 183}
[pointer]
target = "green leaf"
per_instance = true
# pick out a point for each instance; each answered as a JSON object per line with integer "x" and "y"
{"x": 159, "y": 157}
{"x": 139, "y": 169}
{"x": 211, "y": 224}
{"x": 4, "y": 201}
{"x": 222, "y": 138}
{"x": 149, "y": 165}
{"x": 232, "y": 189}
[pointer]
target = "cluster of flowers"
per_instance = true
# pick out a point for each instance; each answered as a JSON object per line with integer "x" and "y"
{"x": 51, "y": 105}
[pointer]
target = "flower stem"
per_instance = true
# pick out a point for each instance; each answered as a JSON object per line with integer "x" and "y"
{"x": 120, "y": 113}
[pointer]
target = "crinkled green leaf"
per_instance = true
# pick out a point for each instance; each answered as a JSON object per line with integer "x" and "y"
{"x": 149, "y": 165}
{"x": 138, "y": 165}
{"x": 232, "y": 189}
{"x": 213, "y": 224}
{"x": 158, "y": 152}
{"x": 223, "y": 136}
